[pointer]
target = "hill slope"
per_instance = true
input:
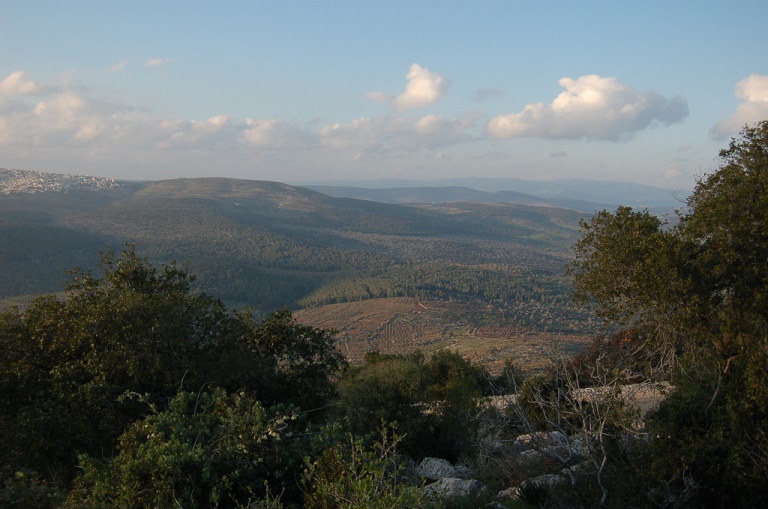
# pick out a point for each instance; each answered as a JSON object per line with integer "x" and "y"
{"x": 268, "y": 245}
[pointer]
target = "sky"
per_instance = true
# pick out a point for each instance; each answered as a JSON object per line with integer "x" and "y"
{"x": 315, "y": 91}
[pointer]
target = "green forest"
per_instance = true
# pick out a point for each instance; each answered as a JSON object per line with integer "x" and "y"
{"x": 133, "y": 388}
{"x": 267, "y": 245}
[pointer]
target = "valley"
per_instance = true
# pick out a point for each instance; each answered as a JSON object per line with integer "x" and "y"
{"x": 485, "y": 279}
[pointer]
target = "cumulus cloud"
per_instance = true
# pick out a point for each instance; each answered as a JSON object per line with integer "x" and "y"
{"x": 157, "y": 62}
{"x": 753, "y": 91}
{"x": 66, "y": 119}
{"x": 17, "y": 84}
{"x": 423, "y": 88}
{"x": 591, "y": 107}
{"x": 379, "y": 97}
{"x": 216, "y": 132}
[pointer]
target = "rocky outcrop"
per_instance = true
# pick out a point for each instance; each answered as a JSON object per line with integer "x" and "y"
{"x": 545, "y": 460}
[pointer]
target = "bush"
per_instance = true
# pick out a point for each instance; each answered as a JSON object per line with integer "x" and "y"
{"x": 352, "y": 476}
{"x": 207, "y": 450}
{"x": 432, "y": 401}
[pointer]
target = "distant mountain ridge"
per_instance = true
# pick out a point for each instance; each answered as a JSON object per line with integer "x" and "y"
{"x": 454, "y": 194}
{"x": 577, "y": 194}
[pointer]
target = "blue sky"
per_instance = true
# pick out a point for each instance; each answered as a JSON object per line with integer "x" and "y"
{"x": 294, "y": 91}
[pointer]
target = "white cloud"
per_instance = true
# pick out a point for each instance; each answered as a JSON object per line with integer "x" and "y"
{"x": 213, "y": 124}
{"x": 591, "y": 107}
{"x": 119, "y": 66}
{"x": 217, "y": 132}
{"x": 673, "y": 171}
{"x": 423, "y": 88}
{"x": 17, "y": 84}
{"x": 67, "y": 119}
{"x": 157, "y": 62}
{"x": 63, "y": 107}
{"x": 753, "y": 91}
{"x": 385, "y": 134}
{"x": 276, "y": 134}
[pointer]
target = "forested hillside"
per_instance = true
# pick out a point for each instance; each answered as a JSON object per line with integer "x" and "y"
{"x": 268, "y": 245}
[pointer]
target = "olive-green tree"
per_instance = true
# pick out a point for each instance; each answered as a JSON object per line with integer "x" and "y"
{"x": 132, "y": 329}
{"x": 433, "y": 400}
{"x": 699, "y": 289}
{"x": 207, "y": 449}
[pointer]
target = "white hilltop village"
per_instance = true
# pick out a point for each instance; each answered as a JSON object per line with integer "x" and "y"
{"x": 25, "y": 181}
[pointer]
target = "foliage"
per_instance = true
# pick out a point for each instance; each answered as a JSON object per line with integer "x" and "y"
{"x": 26, "y": 489}
{"x": 351, "y": 475}
{"x": 135, "y": 329}
{"x": 207, "y": 449}
{"x": 268, "y": 245}
{"x": 433, "y": 400}
{"x": 700, "y": 291}
{"x": 627, "y": 265}
{"x": 297, "y": 363}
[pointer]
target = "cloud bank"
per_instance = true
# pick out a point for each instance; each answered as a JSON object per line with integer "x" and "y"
{"x": 67, "y": 122}
{"x": 66, "y": 118}
{"x": 591, "y": 107}
{"x": 753, "y": 91}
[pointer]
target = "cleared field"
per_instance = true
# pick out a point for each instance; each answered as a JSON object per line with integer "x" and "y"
{"x": 402, "y": 325}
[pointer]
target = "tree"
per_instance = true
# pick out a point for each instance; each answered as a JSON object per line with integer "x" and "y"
{"x": 699, "y": 289}
{"x": 298, "y": 363}
{"x": 135, "y": 329}
{"x": 207, "y": 449}
{"x": 433, "y": 400}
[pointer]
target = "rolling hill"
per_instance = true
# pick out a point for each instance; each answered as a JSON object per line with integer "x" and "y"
{"x": 269, "y": 245}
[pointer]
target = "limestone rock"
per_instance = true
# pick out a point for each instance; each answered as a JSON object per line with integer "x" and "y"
{"x": 452, "y": 487}
{"x": 435, "y": 469}
{"x": 509, "y": 494}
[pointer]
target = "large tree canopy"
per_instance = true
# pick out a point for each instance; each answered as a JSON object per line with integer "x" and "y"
{"x": 75, "y": 372}
{"x": 698, "y": 288}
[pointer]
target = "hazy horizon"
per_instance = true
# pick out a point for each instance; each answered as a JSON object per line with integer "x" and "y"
{"x": 305, "y": 91}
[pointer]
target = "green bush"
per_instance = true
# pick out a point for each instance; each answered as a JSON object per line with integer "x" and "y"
{"x": 208, "y": 449}
{"x": 351, "y": 476}
{"x": 432, "y": 401}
